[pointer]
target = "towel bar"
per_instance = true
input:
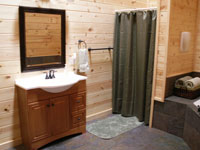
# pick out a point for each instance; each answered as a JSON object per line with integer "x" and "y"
{"x": 94, "y": 49}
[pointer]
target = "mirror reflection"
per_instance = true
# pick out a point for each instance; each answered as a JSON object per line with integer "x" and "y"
{"x": 43, "y": 41}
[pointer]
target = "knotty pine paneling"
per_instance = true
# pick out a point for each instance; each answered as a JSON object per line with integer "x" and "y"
{"x": 176, "y": 16}
{"x": 9, "y": 53}
{"x": 8, "y": 107}
{"x": 182, "y": 19}
{"x": 95, "y": 87}
{"x": 8, "y": 80}
{"x": 152, "y": 3}
{"x": 9, "y": 67}
{"x": 84, "y": 28}
{"x": 9, "y": 142}
{"x": 9, "y": 40}
{"x": 7, "y": 94}
{"x": 12, "y": 130}
{"x": 7, "y": 118}
{"x": 161, "y": 48}
{"x": 196, "y": 66}
{"x": 97, "y": 97}
{"x": 89, "y": 20}
{"x": 118, "y": 2}
{"x": 105, "y": 39}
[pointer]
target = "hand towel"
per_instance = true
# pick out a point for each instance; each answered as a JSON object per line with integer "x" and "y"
{"x": 83, "y": 63}
{"x": 180, "y": 83}
{"x": 193, "y": 84}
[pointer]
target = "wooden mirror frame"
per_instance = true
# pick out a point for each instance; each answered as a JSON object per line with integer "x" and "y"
{"x": 22, "y": 11}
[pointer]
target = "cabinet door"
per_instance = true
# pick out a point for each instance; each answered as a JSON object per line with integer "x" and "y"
{"x": 39, "y": 120}
{"x": 60, "y": 114}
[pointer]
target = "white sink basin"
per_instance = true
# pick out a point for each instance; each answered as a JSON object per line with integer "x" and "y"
{"x": 62, "y": 82}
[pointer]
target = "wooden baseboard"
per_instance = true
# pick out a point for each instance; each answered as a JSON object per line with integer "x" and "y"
{"x": 10, "y": 144}
{"x": 99, "y": 115}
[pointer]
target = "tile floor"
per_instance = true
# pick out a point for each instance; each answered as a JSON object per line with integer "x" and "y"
{"x": 141, "y": 138}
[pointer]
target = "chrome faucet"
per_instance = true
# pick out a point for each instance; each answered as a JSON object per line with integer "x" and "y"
{"x": 50, "y": 75}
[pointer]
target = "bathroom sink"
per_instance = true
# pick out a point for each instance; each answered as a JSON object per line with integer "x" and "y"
{"x": 62, "y": 82}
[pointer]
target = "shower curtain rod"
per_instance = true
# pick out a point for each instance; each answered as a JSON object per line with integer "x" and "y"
{"x": 128, "y": 10}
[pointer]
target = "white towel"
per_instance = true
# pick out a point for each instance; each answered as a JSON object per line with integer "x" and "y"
{"x": 193, "y": 84}
{"x": 83, "y": 63}
{"x": 180, "y": 83}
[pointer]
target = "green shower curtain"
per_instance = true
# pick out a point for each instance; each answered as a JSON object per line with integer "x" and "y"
{"x": 133, "y": 59}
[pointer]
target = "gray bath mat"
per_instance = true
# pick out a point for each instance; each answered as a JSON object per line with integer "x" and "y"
{"x": 112, "y": 126}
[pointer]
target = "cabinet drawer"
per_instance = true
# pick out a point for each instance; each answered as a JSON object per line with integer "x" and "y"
{"x": 78, "y": 101}
{"x": 79, "y": 118}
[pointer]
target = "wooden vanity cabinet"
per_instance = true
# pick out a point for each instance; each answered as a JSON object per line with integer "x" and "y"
{"x": 45, "y": 117}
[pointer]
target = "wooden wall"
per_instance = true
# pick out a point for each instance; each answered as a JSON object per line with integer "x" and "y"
{"x": 160, "y": 59}
{"x": 182, "y": 19}
{"x": 90, "y": 20}
{"x": 197, "y": 48}
{"x": 161, "y": 50}
{"x": 176, "y": 16}
{"x": 152, "y": 3}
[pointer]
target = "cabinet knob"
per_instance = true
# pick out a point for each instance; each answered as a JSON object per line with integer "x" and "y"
{"x": 52, "y": 104}
{"x": 79, "y": 118}
{"x": 48, "y": 105}
{"x": 78, "y": 101}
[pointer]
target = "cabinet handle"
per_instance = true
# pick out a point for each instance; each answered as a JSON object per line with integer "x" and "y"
{"x": 52, "y": 104}
{"x": 78, "y": 101}
{"x": 48, "y": 105}
{"x": 79, "y": 118}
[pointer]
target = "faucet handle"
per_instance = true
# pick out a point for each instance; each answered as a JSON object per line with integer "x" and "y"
{"x": 51, "y": 74}
{"x": 47, "y": 76}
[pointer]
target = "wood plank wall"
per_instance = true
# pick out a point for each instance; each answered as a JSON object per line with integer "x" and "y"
{"x": 161, "y": 49}
{"x": 152, "y": 3}
{"x": 90, "y": 20}
{"x": 160, "y": 60}
{"x": 176, "y": 16}
{"x": 197, "y": 45}
{"x": 182, "y": 19}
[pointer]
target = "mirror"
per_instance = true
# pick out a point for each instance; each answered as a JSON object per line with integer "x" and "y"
{"x": 42, "y": 38}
